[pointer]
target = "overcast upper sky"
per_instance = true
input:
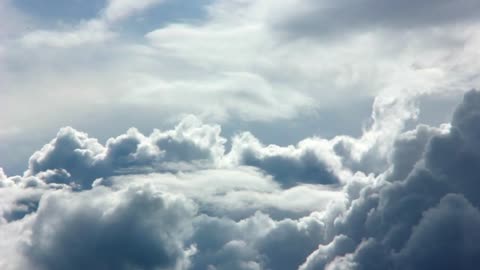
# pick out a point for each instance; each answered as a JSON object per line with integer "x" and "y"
{"x": 239, "y": 134}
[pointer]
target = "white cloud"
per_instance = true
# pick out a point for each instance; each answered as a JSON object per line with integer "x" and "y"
{"x": 93, "y": 31}
{"x": 234, "y": 64}
{"x": 89, "y": 32}
{"x": 120, "y": 9}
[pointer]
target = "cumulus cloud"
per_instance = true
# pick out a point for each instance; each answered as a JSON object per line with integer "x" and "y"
{"x": 128, "y": 229}
{"x": 409, "y": 148}
{"x": 387, "y": 220}
{"x": 312, "y": 161}
{"x": 75, "y": 158}
{"x": 339, "y": 246}
{"x": 451, "y": 227}
{"x": 176, "y": 200}
{"x": 191, "y": 198}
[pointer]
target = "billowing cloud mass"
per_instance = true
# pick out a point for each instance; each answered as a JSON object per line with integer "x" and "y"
{"x": 74, "y": 157}
{"x": 239, "y": 135}
{"x": 177, "y": 199}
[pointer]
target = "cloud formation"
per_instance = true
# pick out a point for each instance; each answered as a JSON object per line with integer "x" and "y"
{"x": 99, "y": 229}
{"x": 73, "y": 157}
{"x": 312, "y": 161}
{"x": 399, "y": 194}
{"x": 227, "y": 60}
{"x": 318, "y": 18}
{"x": 177, "y": 200}
{"x": 394, "y": 221}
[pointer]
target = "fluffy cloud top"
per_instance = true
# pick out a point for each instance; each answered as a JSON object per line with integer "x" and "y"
{"x": 74, "y": 157}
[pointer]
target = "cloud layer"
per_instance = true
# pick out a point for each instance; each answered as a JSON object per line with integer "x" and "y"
{"x": 209, "y": 193}
{"x": 177, "y": 199}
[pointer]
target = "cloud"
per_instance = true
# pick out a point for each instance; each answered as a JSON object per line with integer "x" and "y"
{"x": 168, "y": 230}
{"x": 312, "y": 161}
{"x": 128, "y": 229}
{"x": 369, "y": 152}
{"x": 230, "y": 63}
{"x": 75, "y": 158}
{"x": 318, "y": 18}
{"x": 339, "y": 246}
{"x": 257, "y": 242}
{"x": 89, "y": 32}
{"x": 409, "y": 148}
{"x": 188, "y": 198}
{"x": 121, "y": 9}
{"x": 207, "y": 209}
{"x": 455, "y": 215}
{"x": 394, "y": 216}
{"x": 237, "y": 192}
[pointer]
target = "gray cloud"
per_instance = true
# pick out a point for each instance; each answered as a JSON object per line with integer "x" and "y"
{"x": 325, "y": 19}
{"x": 77, "y": 159}
{"x": 397, "y": 218}
{"x": 98, "y": 229}
{"x": 74, "y": 157}
{"x": 310, "y": 162}
{"x": 452, "y": 229}
{"x": 339, "y": 246}
{"x": 409, "y": 149}
{"x": 257, "y": 242}
{"x": 287, "y": 246}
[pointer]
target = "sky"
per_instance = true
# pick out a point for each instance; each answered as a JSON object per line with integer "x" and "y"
{"x": 239, "y": 134}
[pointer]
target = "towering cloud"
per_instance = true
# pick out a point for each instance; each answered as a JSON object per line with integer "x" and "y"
{"x": 414, "y": 222}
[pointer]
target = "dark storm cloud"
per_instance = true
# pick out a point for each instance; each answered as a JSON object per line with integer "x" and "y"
{"x": 337, "y": 18}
